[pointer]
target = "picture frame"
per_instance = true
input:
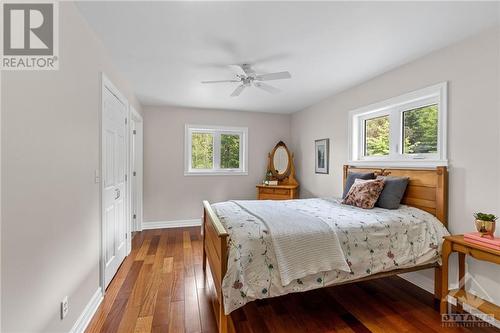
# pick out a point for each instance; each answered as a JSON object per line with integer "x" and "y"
{"x": 322, "y": 156}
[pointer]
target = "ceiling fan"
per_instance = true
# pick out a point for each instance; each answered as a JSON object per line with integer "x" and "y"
{"x": 251, "y": 78}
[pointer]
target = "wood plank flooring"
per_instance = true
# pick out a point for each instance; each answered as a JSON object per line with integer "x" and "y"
{"x": 160, "y": 287}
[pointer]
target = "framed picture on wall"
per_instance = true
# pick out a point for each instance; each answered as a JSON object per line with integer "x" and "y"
{"x": 322, "y": 149}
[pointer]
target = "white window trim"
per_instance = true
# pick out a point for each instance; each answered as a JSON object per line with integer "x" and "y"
{"x": 394, "y": 107}
{"x": 216, "y": 131}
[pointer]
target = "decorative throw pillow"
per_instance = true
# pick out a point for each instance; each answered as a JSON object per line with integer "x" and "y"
{"x": 393, "y": 192}
{"x": 364, "y": 193}
{"x": 355, "y": 175}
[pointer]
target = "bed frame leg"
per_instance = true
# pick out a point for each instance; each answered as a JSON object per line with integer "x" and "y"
{"x": 204, "y": 256}
{"x": 438, "y": 292}
{"x": 204, "y": 265}
{"x": 223, "y": 321}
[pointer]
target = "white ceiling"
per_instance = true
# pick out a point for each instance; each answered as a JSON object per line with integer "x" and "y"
{"x": 166, "y": 48}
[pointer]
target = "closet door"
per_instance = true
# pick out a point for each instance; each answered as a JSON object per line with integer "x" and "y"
{"x": 114, "y": 195}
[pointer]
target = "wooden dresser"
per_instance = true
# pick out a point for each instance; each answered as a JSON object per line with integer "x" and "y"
{"x": 278, "y": 192}
{"x": 280, "y": 168}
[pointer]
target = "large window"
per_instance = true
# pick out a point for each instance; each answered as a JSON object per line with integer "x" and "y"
{"x": 407, "y": 130}
{"x": 215, "y": 150}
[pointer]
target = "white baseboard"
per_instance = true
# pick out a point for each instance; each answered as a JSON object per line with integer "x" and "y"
{"x": 170, "y": 224}
{"x": 87, "y": 314}
{"x": 419, "y": 280}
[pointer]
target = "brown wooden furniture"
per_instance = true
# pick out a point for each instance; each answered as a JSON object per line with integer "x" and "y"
{"x": 427, "y": 190}
{"x": 278, "y": 192}
{"x": 281, "y": 167}
{"x": 456, "y": 243}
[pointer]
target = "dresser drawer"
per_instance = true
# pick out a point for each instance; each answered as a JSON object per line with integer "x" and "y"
{"x": 270, "y": 196}
{"x": 279, "y": 191}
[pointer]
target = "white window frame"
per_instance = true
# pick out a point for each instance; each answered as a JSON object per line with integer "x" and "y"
{"x": 394, "y": 108}
{"x": 216, "y": 131}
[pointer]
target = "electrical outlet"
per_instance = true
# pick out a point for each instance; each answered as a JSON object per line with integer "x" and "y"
{"x": 64, "y": 307}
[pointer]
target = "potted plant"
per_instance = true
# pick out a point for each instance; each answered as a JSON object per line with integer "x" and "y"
{"x": 485, "y": 223}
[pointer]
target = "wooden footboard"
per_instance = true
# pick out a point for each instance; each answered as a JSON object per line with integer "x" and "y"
{"x": 215, "y": 252}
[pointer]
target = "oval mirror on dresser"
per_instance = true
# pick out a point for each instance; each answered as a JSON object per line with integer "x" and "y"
{"x": 281, "y": 160}
{"x": 282, "y": 171}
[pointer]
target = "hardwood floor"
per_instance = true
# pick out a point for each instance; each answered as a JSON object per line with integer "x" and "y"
{"x": 160, "y": 287}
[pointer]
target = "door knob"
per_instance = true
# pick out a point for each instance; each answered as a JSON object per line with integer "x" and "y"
{"x": 117, "y": 193}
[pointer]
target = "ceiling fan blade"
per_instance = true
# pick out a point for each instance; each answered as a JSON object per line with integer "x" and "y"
{"x": 220, "y": 81}
{"x": 273, "y": 76}
{"x": 266, "y": 87}
{"x": 247, "y": 69}
{"x": 238, "y": 90}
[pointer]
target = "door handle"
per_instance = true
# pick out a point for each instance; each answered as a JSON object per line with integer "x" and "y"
{"x": 117, "y": 193}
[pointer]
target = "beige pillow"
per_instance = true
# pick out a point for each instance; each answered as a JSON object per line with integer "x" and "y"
{"x": 364, "y": 193}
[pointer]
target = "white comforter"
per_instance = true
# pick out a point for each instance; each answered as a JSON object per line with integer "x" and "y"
{"x": 372, "y": 241}
{"x": 303, "y": 243}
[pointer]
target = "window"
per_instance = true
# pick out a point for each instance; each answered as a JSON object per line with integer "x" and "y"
{"x": 377, "y": 136}
{"x": 202, "y": 151}
{"x": 406, "y": 130}
{"x": 230, "y": 151}
{"x": 215, "y": 150}
{"x": 420, "y": 130}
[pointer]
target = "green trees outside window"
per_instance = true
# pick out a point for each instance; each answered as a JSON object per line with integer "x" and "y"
{"x": 377, "y": 136}
{"x": 420, "y": 127}
{"x": 420, "y": 132}
{"x": 202, "y": 151}
{"x": 229, "y": 151}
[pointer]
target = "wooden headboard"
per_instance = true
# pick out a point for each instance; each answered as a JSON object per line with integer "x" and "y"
{"x": 427, "y": 188}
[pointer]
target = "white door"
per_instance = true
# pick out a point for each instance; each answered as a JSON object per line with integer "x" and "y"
{"x": 114, "y": 195}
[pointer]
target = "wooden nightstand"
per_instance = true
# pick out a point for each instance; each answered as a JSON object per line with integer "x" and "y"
{"x": 457, "y": 243}
{"x": 278, "y": 192}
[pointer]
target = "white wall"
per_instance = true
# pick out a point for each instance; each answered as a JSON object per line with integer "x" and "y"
{"x": 51, "y": 206}
{"x": 168, "y": 194}
{"x": 472, "y": 68}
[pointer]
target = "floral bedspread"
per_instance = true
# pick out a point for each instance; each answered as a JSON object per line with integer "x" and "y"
{"x": 373, "y": 241}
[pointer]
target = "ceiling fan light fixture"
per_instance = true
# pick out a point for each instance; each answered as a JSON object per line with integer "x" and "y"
{"x": 252, "y": 77}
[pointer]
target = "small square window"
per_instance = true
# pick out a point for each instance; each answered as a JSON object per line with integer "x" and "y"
{"x": 214, "y": 150}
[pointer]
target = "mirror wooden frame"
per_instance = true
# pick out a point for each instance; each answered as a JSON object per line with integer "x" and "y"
{"x": 286, "y": 173}
{"x": 288, "y": 177}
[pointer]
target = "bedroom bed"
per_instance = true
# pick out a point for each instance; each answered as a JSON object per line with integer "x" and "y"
{"x": 249, "y": 262}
